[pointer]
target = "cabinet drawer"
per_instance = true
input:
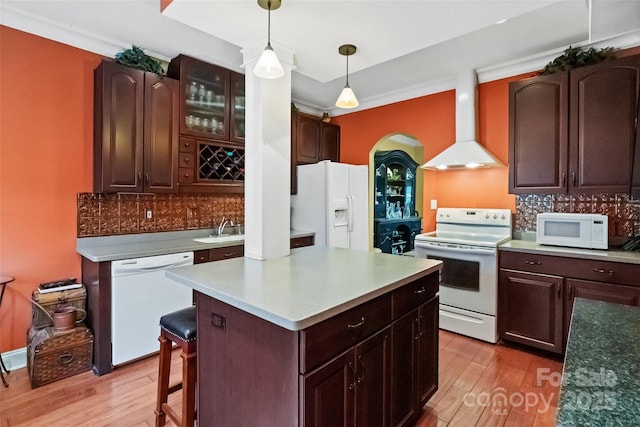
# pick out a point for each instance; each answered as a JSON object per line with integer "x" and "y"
{"x": 201, "y": 256}
{"x": 411, "y": 296}
{"x": 298, "y": 242}
{"x": 185, "y": 160}
{"x": 326, "y": 339}
{"x": 610, "y": 272}
{"x": 588, "y": 269}
{"x": 185, "y": 175}
{"x": 187, "y": 146}
{"x": 534, "y": 263}
{"x": 218, "y": 254}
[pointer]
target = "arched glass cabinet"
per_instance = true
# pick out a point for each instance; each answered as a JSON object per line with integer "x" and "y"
{"x": 396, "y": 222}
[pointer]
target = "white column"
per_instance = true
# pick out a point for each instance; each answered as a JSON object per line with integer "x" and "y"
{"x": 267, "y": 185}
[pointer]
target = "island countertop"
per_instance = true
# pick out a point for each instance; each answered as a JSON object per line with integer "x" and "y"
{"x": 601, "y": 375}
{"x": 305, "y": 288}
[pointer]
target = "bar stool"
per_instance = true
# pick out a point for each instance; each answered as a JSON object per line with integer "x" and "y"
{"x": 178, "y": 327}
{"x": 3, "y": 282}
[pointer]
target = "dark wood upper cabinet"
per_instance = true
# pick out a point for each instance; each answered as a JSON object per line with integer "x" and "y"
{"x": 538, "y": 139}
{"x": 212, "y": 126}
{"x": 308, "y": 139}
{"x": 603, "y": 110}
{"x": 135, "y": 130}
{"x": 575, "y": 132}
{"x": 329, "y": 142}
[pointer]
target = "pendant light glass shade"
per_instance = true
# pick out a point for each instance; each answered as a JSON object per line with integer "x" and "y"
{"x": 268, "y": 66}
{"x": 347, "y": 98}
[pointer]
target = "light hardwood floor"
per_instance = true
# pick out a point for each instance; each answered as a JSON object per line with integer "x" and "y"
{"x": 480, "y": 385}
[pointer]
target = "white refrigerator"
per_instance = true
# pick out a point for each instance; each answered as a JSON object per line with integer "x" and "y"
{"x": 333, "y": 201}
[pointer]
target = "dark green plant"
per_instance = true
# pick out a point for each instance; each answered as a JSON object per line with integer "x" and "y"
{"x": 136, "y": 58}
{"x": 575, "y": 57}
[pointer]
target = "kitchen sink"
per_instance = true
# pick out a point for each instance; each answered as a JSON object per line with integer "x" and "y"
{"x": 221, "y": 238}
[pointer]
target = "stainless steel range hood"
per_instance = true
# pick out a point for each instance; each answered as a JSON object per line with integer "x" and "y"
{"x": 466, "y": 152}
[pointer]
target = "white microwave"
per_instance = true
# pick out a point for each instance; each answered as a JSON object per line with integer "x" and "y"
{"x": 576, "y": 230}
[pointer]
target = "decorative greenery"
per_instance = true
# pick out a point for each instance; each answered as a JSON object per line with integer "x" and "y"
{"x": 575, "y": 57}
{"x": 136, "y": 58}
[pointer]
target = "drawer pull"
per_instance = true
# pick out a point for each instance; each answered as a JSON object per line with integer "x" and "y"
{"x": 532, "y": 262}
{"x": 356, "y": 325}
{"x": 229, "y": 254}
{"x": 65, "y": 359}
{"x": 420, "y": 291}
{"x": 600, "y": 270}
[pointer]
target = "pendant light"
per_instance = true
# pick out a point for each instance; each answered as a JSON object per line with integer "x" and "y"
{"x": 347, "y": 98}
{"x": 268, "y": 66}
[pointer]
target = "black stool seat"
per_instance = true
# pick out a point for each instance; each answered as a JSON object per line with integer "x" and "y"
{"x": 181, "y": 323}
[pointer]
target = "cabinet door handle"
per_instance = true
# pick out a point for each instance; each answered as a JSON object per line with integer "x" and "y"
{"x": 356, "y": 325}
{"x": 532, "y": 262}
{"x": 360, "y": 378}
{"x": 574, "y": 179}
{"x": 139, "y": 176}
{"x": 564, "y": 179}
{"x": 229, "y": 254}
{"x": 351, "y": 375}
{"x": 570, "y": 291}
{"x": 558, "y": 289}
{"x": 146, "y": 178}
{"x": 600, "y": 270}
{"x": 420, "y": 291}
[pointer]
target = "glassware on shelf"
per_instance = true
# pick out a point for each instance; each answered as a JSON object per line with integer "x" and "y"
{"x": 193, "y": 90}
{"x": 202, "y": 92}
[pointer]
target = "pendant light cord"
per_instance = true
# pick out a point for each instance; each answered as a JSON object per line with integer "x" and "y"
{"x": 269, "y": 23}
{"x": 347, "y": 70}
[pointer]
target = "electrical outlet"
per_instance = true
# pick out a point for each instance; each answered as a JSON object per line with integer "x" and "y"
{"x": 149, "y": 214}
{"x": 434, "y": 204}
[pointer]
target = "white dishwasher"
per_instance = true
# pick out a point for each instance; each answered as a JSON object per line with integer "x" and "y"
{"x": 140, "y": 295}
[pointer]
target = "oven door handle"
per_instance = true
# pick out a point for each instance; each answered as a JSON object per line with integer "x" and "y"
{"x": 466, "y": 250}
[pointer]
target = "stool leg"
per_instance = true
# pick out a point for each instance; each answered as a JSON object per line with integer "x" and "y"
{"x": 163, "y": 379}
{"x": 3, "y": 368}
{"x": 189, "y": 374}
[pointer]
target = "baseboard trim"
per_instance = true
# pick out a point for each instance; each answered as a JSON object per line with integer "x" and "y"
{"x": 15, "y": 359}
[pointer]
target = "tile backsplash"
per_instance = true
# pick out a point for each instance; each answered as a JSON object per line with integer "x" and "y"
{"x": 101, "y": 214}
{"x": 623, "y": 211}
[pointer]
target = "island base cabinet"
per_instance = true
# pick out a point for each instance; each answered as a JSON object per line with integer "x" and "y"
{"x": 247, "y": 368}
{"x": 351, "y": 389}
{"x": 373, "y": 365}
{"x": 414, "y": 369}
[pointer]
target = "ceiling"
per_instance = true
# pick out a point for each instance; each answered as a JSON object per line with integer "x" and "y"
{"x": 406, "y": 48}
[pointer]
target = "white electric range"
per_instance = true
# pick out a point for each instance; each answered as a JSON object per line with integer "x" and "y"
{"x": 467, "y": 241}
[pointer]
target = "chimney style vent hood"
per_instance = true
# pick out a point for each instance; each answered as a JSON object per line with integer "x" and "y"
{"x": 466, "y": 152}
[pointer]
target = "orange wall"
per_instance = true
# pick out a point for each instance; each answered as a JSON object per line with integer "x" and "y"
{"x": 46, "y": 134}
{"x": 431, "y": 120}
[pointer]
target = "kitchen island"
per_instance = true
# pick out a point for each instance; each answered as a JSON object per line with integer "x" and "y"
{"x": 325, "y": 336}
{"x": 601, "y": 374}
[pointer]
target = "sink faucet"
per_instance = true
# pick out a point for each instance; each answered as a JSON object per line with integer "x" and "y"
{"x": 223, "y": 223}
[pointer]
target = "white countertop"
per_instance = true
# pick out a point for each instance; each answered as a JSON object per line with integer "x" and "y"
{"x": 127, "y": 246}
{"x": 532, "y": 247}
{"x": 311, "y": 285}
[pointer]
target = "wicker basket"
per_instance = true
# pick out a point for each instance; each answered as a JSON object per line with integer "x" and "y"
{"x": 55, "y": 355}
{"x": 51, "y": 301}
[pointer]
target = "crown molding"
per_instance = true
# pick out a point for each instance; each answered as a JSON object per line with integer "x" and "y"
{"x": 75, "y": 37}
